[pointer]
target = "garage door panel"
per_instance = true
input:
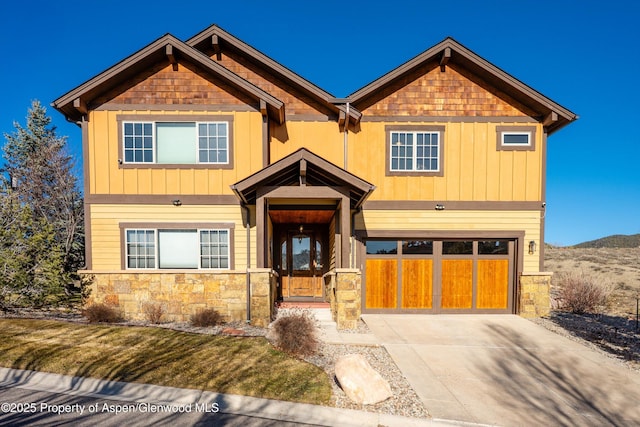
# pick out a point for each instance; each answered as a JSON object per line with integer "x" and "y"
{"x": 417, "y": 283}
{"x": 457, "y": 284}
{"x": 493, "y": 284}
{"x": 382, "y": 282}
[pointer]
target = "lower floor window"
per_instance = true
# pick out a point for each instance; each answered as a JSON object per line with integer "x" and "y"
{"x": 176, "y": 248}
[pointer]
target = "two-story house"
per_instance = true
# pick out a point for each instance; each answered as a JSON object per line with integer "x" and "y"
{"x": 215, "y": 177}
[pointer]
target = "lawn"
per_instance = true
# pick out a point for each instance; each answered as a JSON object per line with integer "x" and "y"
{"x": 247, "y": 366}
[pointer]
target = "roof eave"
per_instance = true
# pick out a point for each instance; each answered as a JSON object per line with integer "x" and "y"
{"x": 69, "y": 103}
{"x": 450, "y": 51}
{"x": 204, "y": 39}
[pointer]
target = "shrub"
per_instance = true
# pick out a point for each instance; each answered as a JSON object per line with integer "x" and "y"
{"x": 96, "y": 313}
{"x": 296, "y": 333}
{"x": 153, "y": 312}
{"x": 583, "y": 293}
{"x": 206, "y": 317}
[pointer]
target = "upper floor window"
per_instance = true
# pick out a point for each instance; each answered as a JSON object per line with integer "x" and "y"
{"x": 200, "y": 141}
{"x": 515, "y": 138}
{"x": 415, "y": 150}
{"x": 176, "y": 142}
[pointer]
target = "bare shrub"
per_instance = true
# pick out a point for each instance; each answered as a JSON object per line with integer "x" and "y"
{"x": 206, "y": 317}
{"x": 296, "y": 333}
{"x": 581, "y": 292}
{"x": 101, "y": 313}
{"x": 153, "y": 312}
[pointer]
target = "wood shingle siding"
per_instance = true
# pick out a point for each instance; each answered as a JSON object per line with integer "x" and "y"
{"x": 169, "y": 87}
{"x": 441, "y": 95}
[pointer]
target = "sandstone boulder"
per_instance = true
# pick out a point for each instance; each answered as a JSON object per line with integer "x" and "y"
{"x": 360, "y": 382}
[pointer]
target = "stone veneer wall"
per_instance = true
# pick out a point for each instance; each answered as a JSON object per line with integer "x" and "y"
{"x": 182, "y": 294}
{"x": 343, "y": 289}
{"x": 535, "y": 298}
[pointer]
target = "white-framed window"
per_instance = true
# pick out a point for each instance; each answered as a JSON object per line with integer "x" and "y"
{"x": 175, "y": 142}
{"x": 177, "y": 248}
{"x": 414, "y": 151}
{"x": 515, "y": 138}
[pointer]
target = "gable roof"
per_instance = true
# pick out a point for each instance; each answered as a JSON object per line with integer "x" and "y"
{"x": 303, "y": 166}
{"x": 165, "y": 50}
{"x": 451, "y": 53}
{"x": 214, "y": 39}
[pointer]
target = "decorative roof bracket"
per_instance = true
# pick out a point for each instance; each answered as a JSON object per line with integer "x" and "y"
{"x": 172, "y": 57}
{"x": 215, "y": 42}
{"x": 551, "y": 118}
{"x": 80, "y": 105}
{"x": 303, "y": 172}
{"x": 444, "y": 59}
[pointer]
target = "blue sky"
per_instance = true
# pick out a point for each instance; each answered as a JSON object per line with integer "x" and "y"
{"x": 583, "y": 55}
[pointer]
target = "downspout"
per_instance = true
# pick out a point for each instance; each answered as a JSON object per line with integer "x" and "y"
{"x": 248, "y": 278}
{"x": 353, "y": 236}
{"x": 346, "y": 136}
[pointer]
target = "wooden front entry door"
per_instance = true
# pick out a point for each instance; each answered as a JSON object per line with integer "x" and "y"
{"x": 302, "y": 261}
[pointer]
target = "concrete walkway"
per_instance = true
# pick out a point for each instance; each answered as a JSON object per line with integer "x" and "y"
{"x": 505, "y": 370}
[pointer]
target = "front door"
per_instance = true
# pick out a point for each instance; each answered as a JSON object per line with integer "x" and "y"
{"x": 302, "y": 263}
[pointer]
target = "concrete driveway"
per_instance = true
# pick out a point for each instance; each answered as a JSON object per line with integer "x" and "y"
{"x": 505, "y": 370}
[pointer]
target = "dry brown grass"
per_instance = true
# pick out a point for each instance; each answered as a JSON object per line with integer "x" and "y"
{"x": 618, "y": 266}
{"x": 613, "y": 328}
{"x": 234, "y": 365}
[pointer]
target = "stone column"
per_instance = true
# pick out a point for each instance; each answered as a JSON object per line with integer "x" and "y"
{"x": 263, "y": 284}
{"x": 348, "y": 302}
{"x": 535, "y": 298}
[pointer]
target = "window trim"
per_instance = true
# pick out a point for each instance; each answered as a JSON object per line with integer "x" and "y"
{"x": 175, "y": 118}
{"x": 198, "y": 226}
{"x": 440, "y": 129}
{"x": 501, "y": 130}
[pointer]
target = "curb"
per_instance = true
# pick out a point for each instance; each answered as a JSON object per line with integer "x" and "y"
{"x": 227, "y": 403}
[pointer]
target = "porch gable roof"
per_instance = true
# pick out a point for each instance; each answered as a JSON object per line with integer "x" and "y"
{"x": 303, "y": 168}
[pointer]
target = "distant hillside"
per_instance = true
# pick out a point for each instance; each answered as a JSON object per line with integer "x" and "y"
{"x": 615, "y": 241}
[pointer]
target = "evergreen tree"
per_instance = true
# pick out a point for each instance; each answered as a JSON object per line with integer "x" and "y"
{"x": 41, "y": 191}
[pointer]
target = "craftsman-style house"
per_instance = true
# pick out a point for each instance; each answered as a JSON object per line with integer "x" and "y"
{"x": 215, "y": 177}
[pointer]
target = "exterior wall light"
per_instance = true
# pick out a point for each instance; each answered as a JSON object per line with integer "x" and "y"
{"x": 439, "y": 207}
{"x": 177, "y": 202}
{"x": 532, "y": 247}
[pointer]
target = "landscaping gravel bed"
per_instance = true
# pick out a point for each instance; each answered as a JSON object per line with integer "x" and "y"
{"x": 614, "y": 336}
{"x": 404, "y": 401}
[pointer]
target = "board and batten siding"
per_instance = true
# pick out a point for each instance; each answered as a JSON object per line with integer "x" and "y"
{"x": 106, "y": 219}
{"x": 323, "y": 138}
{"x": 474, "y": 170}
{"x": 107, "y": 177}
{"x": 448, "y": 221}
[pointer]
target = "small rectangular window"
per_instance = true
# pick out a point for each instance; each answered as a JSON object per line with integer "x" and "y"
{"x": 423, "y": 247}
{"x": 516, "y": 138}
{"x": 457, "y": 248}
{"x": 493, "y": 247}
{"x": 382, "y": 247}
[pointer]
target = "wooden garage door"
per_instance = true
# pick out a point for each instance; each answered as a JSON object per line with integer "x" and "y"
{"x": 382, "y": 287}
{"x": 417, "y": 283}
{"x": 448, "y": 276}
